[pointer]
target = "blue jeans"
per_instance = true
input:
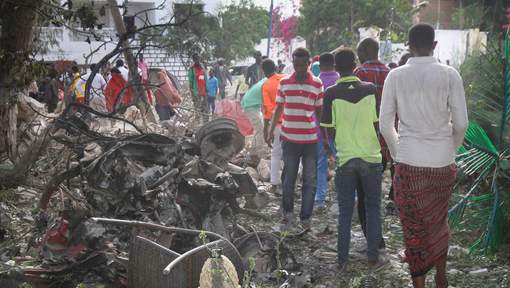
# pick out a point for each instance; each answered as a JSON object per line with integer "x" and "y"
{"x": 292, "y": 154}
{"x": 322, "y": 173}
{"x": 348, "y": 178}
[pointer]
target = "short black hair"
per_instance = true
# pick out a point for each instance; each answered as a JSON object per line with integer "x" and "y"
{"x": 345, "y": 60}
{"x": 75, "y": 69}
{"x": 327, "y": 60}
{"x": 301, "y": 52}
{"x": 422, "y": 35}
{"x": 119, "y": 63}
{"x": 370, "y": 46}
{"x": 268, "y": 66}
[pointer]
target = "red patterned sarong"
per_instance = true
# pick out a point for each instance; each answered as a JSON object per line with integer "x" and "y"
{"x": 423, "y": 196}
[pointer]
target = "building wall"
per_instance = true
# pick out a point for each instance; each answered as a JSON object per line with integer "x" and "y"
{"x": 159, "y": 58}
{"x": 73, "y": 46}
{"x": 443, "y": 8}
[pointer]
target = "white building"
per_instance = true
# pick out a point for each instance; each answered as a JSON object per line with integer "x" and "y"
{"x": 83, "y": 48}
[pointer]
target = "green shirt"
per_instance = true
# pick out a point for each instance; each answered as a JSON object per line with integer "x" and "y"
{"x": 192, "y": 79}
{"x": 350, "y": 108}
{"x": 253, "y": 97}
{"x": 316, "y": 68}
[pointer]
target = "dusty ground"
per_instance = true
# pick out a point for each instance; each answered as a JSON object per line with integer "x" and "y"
{"x": 316, "y": 251}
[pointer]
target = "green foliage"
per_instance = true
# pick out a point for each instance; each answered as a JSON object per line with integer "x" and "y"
{"x": 232, "y": 36}
{"x": 24, "y": 68}
{"x": 469, "y": 16}
{"x": 331, "y": 23}
{"x": 243, "y": 26}
{"x": 481, "y": 194}
{"x": 486, "y": 15}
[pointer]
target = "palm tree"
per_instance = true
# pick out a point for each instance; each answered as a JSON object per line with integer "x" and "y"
{"x": 483, "y": 184}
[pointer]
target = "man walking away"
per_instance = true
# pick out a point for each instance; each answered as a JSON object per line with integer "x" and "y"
{"x": 197, "y": 77}
{"x": 212, "y": 91}
{"x": 221, "y": 73}
{"x": 349, "y": 109}
{"x": 375, "y": 72}
{"x": 252, "y": 107}
{"x": 428, "y": 98}
{"x": 254, "y": 72}
{"x": 300, "y": 100}
{"x": 269, "y": 91}
{"x": 328, "y": 77}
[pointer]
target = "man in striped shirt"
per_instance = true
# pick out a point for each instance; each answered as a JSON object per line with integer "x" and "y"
{"x": 300, "y": 100}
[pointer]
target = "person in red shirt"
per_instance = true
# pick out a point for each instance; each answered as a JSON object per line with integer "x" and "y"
{"x": 299, "y": 99}
{"x": 197, "y": 77}
{"x": 115, "y": 88}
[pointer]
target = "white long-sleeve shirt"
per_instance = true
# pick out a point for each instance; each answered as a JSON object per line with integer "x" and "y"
{"x": 429, "y": 99}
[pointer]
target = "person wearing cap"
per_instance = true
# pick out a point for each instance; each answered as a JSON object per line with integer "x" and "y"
{"x": 429, "y": 99}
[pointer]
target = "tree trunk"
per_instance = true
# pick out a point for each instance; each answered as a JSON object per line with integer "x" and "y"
{"x": 8, "y": 115}
{"x": 17, "y": 18}
{"x": 141, "y": 99}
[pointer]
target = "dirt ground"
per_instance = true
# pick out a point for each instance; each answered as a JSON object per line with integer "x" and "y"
{"x": 317, "y": 252}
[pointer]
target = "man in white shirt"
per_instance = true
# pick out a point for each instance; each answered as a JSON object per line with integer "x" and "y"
{"x": 428, "y": 98}
{"x": 123, "y": 70}
{"x": 97, "y": 99}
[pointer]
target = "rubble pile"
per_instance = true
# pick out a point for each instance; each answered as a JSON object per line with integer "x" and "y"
{"x": 118, "y": 172}
{"x": 112, "y": 202}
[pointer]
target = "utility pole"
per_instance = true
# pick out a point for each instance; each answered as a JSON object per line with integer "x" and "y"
{"x": 270, "y": 28}
{"x": 438, "y": 14}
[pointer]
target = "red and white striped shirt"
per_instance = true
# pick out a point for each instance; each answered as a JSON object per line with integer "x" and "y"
{"x": 300, "y": 99}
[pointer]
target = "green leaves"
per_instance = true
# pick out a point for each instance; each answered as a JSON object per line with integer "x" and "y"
{"x": 232, "y": 35}
{"x": 484, "y": 158}
{"x": 330, "y": 23}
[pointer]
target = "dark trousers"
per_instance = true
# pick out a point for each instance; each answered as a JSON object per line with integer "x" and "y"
{"x": 210, "y": 103}
{"x": 292, "y": 154}
{"x": 359, "y": 175}
{"x": 361, "y": 204}
{"x": 222, "y": 91}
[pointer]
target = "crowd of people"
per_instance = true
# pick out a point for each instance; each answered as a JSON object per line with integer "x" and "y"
{"x": 365, "y": 118}
{"x": 111, "y": 88}
{"x": 409, "y": 118}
